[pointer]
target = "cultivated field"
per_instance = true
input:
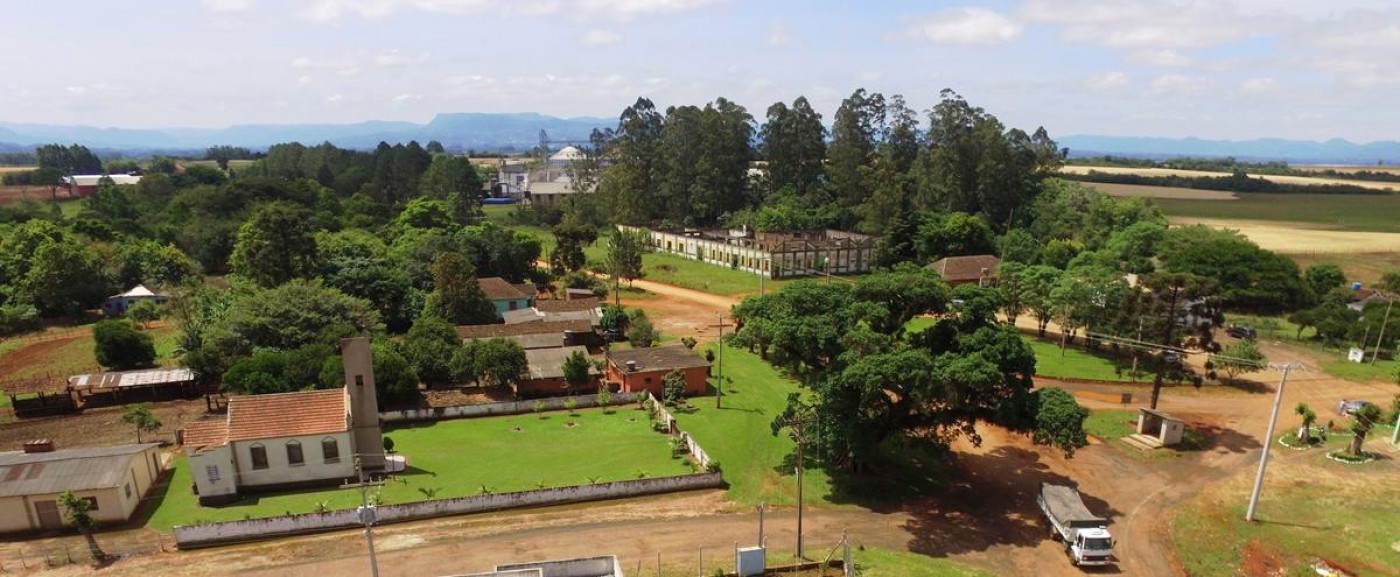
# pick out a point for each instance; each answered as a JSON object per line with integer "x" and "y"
{"x": 1300, "y": 238}
{"x": 1193, "y": 173}
{"x": 4, "y": 169}
{"x": 1146, "y": 191}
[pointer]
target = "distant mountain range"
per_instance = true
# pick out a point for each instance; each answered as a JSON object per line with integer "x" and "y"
{"x": 477, "y": 131}
{"x": 1335, "y": 151}
{"x": 521, "y": 131}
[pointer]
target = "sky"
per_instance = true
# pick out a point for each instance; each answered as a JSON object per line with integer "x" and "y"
{"x": 1218, "y": 69}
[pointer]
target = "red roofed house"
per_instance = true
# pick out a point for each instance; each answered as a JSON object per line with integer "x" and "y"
{"x": 288, "y": 440}
{"x": 645, "y": 369}
{"x": 980, "y": 269}
{"x": 506, "y": 296}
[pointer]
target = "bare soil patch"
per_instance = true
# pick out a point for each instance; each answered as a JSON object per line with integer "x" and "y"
{"x": 97, "y": 427}
{"x": 1302, "y": 238}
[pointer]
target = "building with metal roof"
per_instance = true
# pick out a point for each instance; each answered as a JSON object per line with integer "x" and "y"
{"x": 114, "y": 479}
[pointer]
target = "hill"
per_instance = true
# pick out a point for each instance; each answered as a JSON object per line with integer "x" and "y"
{"x": 1335, "y": 151}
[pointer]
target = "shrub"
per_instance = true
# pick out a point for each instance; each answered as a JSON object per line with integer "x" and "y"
{"x": 571, "y": 404}
{"x": 18, "y": 318}
{"x": 120, "y": 346}
{"x": 388, "y": 444}
{"x": 689, "y": 342}
{"x": 538, "y": 407}
{"x": 713, "y": 467}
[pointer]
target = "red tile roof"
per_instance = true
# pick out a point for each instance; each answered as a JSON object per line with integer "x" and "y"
{"x": 965, "y": 268}
{"x": 563, "y": 306}
{"x": 287, "y": 414}
{"x": 201, "y": 434}
{"x": 496, "y": 288}
{"x": 539, "y": 328}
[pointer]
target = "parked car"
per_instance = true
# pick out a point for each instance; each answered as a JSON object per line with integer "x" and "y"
{"x": 1242, "y": 332}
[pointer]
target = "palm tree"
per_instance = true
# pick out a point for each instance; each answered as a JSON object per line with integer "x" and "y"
{"x": 1309, "y": 417}
{"x": 76, "y": 511}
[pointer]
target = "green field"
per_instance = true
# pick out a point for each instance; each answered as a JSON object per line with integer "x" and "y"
{"x": 461, "y": 457}
{"x": 1341, "y": 368}
{"x": 1355, "y": 212}
{"x": 873, "y": 562}
{"x": 1111, "y": 424}
{"x": 75, "y": 356}
{"x": 693, "y": 274}
{"x": 1350, "y": 521}
{"x": 1077, "y": 363}
{"x": 739, "y": 436}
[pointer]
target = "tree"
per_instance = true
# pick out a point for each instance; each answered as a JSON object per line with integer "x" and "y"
{"x": 576, "y": 370}
{"x": 144, "y": 312}
{"x": 47, "y": 176}
{"x": 394, "y": 379}
{"x": 1364, "y": 418}
{"x": 570, "y": 239}
{"x": 625, "y": 250}
{"x": 275, "y": 245}
{"x": 500, "y": 361}
{"x": 140, "y": 416}
{"x": 794, "y": 144}
{"x": 673, "y": 387}
{"x": 640, "y": 331}
{"x": 425, "y": 213}
{"x": 1240, "y": 358}
{"x": 1322, "y": 279}
{"x": 1060, "y": 420}
{"x": 76, "y": 510}
{"x": 65, "y": 277}
{"x": 119, "y": 346}
{"x": 1309, "y": 417}
{"x": 284, "y": 318}
{"x": 456, "y": 295}
{"x": 429, "y": 346}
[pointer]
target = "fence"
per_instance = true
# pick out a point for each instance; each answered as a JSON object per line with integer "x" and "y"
{"x": 73, "y": 550}
{"x": 187, "y": 537}
{"x": 669, "y": 423}
{"x": 493, "y": 409}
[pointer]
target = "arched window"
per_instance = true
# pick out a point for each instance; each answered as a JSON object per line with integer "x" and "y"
{"x": 330, "y": 450}
{"x": 294, "y": 456}
{"x": 258, "y": 454}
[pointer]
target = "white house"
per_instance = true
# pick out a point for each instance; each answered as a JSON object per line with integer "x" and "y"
{"x": 289, "y": 440}
{"x": 117, "y": 305}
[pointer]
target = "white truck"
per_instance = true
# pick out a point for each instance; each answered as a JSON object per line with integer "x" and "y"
{"x": 1085, "y": 535}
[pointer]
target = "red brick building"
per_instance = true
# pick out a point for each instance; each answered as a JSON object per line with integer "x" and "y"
{"x": 646, "y": 369}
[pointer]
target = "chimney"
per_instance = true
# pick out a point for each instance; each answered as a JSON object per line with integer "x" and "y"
{"x": 38, "y": 446}
{"x": 631, "y": 366}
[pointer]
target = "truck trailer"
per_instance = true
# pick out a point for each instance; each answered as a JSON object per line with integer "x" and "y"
{"x": 1085, "y": 535}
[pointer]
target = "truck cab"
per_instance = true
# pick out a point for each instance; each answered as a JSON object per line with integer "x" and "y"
{"x": 1091, "y": 547}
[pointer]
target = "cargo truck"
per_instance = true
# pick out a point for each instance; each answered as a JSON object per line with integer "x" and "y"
{"x": 1085, "y": 535}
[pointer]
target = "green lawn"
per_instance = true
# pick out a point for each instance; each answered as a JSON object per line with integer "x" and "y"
{"x": 1076, "y": 363}
{"x": 1341, "y": 368}
{"x": 1351, "y": 523}
{"x": 1358, "y": 212}
{"x": 459, "y": 457}
{"x": 1111, "y": 424}
{"x": 1270, "y": 327}
{"x": 873, "y": 562}
{"x": 739, "y": 436}
{"x": 693, "y": 274}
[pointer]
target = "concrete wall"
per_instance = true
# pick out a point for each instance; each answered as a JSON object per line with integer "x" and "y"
{"x": 586, "y": 567}
{"x": 241, "y": 531}
{"x": 490, "y": 409}
{"x": 220, "y": 481}
{"x": 280, "y": 472}
{"x": 14, "y": 515}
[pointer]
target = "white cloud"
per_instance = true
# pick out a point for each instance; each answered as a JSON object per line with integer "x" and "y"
{"x": 1257, "y": 86}
{"x": 1144, "y": 25}
{"x": 1164, "y": 57}
{"x": 533, "y": 9}
{"x": 334, "y": 98}
{"x": 629, "y": 9}
{"x": 304, "y": 80}
{"x": 965, "y": 26}
{"x": 396, "y": 58}
{"x": 403, "y": 98}
{"x": 1179, "y": 84}
{"x": 597, "y": 37}
{"x": 334, "y": 10}
{"x": 344, "y": 66}
{"x": 778, "y": 36}
{"x": 1107, "y": 81}
{"x": 226, "y": 5}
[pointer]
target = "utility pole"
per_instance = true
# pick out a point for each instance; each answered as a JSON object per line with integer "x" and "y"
{"x": 367, "y": 515}
{"x": 1269, "y": 437}
{"x": 797, "y": 424}
{"x": 719, "y": 379}
{"x": 1376, "y": 353}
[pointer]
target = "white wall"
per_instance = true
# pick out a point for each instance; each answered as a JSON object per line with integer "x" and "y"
{"x": 278, "y": 471}
{"x": 221, "y": 458}
{"x": 506, "y": 408}
{"x": 13, "y": 518}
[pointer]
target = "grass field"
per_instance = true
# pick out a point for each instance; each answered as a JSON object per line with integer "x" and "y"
{"x": 1341, "y": 368}
{"x": 1364, "y": 267}
{"x": 739, "y": 436}
{"x": 1074, "y": 363}
{"x": 1374, "y": 185}
{"x": 460, "y": 457}
{"x": 873, "y": 562}
{"x": 1311, "y": 508}
{"x": 1148, "y": 191}
{"x": 75, "y": 356}
{"x": 1351, "y": 212}
{"x": 1112, "y": 424}
{"x": 692, "y": 274}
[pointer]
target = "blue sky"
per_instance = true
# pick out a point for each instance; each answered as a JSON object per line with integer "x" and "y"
{"x": 1233, "y": 69}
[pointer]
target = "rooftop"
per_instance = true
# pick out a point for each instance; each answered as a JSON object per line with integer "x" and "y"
{"x": 549, "y": 363}
{"x": 271, "y": 416}
{"x": 537, "y": 328}
{"x": 138, "y": 291}
{"x": 659, "y": 358}
{"x": 966, "y": 268}
{"x": 496, "y": 288}
{"x": 66, "y": 470}
{"x": 93, "y": 179}
{"x": 571, "y": 305}
{"x": 142, "y": 378}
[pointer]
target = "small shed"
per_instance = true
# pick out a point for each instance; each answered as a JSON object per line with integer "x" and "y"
{"x": 1356, "y": 355}
{"x": 117, "y": 305}
{"x": 1161, "y": 427}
